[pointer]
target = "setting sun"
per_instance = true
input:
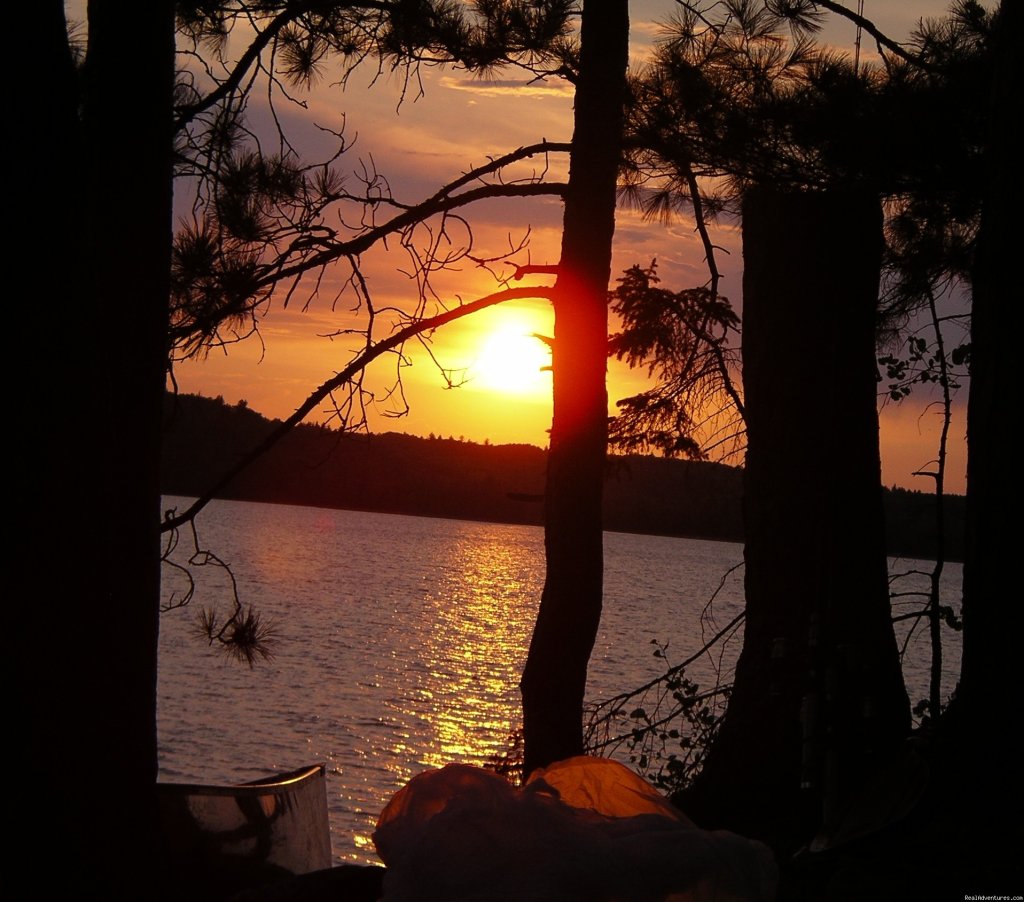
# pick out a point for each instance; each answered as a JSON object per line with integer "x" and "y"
{"x": 513, "y": 360}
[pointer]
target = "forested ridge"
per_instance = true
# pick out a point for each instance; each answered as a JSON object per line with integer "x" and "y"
{"x": 450, "y": 477}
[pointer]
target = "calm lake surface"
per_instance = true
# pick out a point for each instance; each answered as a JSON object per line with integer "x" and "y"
{"x": 400, "y": 641}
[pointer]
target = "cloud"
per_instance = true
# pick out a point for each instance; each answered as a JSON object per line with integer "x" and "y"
{"x": 554, "y": 87}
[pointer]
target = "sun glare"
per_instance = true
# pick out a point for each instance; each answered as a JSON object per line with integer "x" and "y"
{"x": 512, "y": 360}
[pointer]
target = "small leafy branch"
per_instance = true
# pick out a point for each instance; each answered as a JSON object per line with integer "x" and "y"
{"x": 683, "y": 338}
{"x": 667, "y": 725}
{"x": 918, "y": 606}
{"x": 924, "y": 363}
{"x": 928, "y": 361}
{"x": 243, "y": 634}
{"x": 653, "y": 742}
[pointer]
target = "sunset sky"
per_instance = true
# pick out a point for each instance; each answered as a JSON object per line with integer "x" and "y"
{"x": 421, "y": 143}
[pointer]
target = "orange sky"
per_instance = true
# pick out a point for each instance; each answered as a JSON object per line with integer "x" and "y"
{"x": 423, "y": 143}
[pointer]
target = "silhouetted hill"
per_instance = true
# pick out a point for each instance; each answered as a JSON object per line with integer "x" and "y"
{"x": 439, "y": 477}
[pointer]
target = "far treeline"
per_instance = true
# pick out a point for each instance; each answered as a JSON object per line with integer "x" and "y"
{"x": 449, "y": 477}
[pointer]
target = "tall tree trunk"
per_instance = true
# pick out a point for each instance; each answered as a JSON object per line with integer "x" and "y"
{"x": 130, "y": 69}
{"x": 819, "y": 693}
{"x": 92, "y": 543}
{"x": 554, "y": 679}
{"x": 991, "y": 618}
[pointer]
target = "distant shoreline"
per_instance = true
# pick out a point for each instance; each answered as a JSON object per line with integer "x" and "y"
{"x": 449, "y": 478}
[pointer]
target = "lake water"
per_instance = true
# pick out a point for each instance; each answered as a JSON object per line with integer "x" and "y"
{"x": 400, "y": 640}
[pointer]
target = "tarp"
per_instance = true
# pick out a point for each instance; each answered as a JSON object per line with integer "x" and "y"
{"x": 582, "y": 829}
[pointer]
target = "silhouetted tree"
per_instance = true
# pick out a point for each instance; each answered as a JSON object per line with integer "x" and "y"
{"x": 90, "y": 551}
{"x": 229, "y": 273}
{"x": 555, "y": 675}
{"x": 106, "y": 133}
{"x": 991, "y": 621}
{"x": 730, "y": 98}
{"x": 818, "y": 700}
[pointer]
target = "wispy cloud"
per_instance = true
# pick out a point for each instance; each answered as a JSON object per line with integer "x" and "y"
{"x": 552, "y": 87}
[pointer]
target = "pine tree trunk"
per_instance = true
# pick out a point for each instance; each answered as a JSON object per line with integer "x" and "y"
{"x": 819, "y": 693}
{"x": 554, "y": 679}
{"x": 991, "y": 621}
{"x": 92, "y": 545}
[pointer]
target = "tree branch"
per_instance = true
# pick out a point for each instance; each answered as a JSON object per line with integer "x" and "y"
{"x": 251, "y": 55}
{"x": 364, "y": 242}
{"x": 881, "y": 38}
{"x": 361, "y": 361}
{"x": 709, "y": 256}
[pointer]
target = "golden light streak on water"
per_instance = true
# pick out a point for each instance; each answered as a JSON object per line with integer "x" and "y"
{"x": 475, "y": 651}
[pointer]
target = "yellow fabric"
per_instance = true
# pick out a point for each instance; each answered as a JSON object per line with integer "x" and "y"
{"x": 604, "y": 786}
{"x": 584, "y": 829}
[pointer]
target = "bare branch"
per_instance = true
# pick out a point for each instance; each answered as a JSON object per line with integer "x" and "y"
{"x": 880, "y": 37}
{"x": 414, "y": 215}
{"x": 361, "y": 361}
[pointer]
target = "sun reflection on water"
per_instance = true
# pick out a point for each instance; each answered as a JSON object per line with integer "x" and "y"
{"x": 455, "y": 652}
{"x": 481, "y": 621}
